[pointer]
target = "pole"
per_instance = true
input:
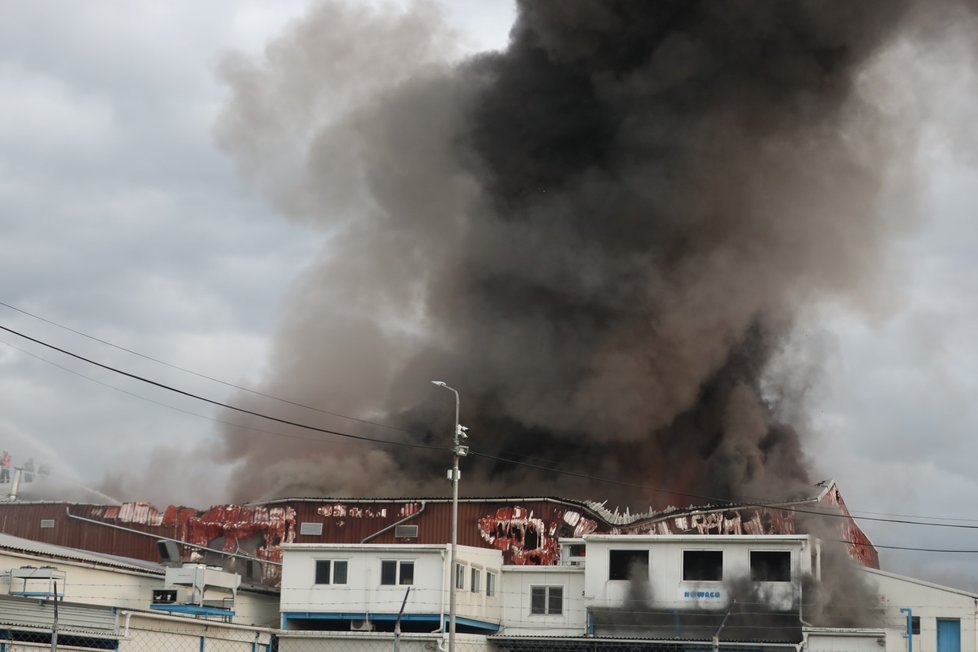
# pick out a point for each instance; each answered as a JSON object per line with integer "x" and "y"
{"x": 54, "y": 626}
{"x": 452, "y": 572}
{"x": 397, "y": 623}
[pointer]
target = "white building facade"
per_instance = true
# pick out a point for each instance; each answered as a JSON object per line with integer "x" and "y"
{"x": 362, "y": 587}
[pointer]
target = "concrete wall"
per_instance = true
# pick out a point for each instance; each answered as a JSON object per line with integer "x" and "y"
{"x": 363, "y": 592}
{"x": 516, "y": 616}
{"x": 928, "y": 602}
{"x": 666, "y": 568}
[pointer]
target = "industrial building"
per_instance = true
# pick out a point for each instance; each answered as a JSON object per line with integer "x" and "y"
{"x": 531, "y": 574}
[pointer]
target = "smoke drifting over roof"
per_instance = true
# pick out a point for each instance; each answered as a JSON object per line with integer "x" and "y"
{"x": 602, "y": 236}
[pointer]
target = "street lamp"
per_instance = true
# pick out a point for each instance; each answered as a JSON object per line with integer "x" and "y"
{"x": 457, "y": 451}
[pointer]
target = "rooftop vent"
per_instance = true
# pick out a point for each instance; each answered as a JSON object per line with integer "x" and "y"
{"x": 406, "y": 532}
{"x": 311, "y": 529}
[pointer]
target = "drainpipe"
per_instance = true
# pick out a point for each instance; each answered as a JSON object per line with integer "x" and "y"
{"x": 160, "y": 538}
{"x": 394, "y": 525}
{"x": 909, "y": 634}
{"x": 125, "y": 628}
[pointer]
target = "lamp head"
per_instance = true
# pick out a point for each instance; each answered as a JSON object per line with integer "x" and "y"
{"x": 440, "y": 383}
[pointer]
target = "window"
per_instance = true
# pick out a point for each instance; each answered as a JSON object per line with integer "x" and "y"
{"x": 490, "y": 584}
{"x": 546, "y": 600}
{"x": 628, "y": 564}
{"x": 915, "y": 624}
{"x": 702, "y": 565}
{"x": 770, "y": 566}
{"x": 475, "y": 585}
{"x": 406, "y": 532}
{"x": 459, "y": 576}
{"x": 396, "y": 572}
{"x": 330, "y": 571}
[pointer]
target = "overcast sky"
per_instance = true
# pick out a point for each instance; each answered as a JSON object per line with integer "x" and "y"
{"x": 122, "y": 219}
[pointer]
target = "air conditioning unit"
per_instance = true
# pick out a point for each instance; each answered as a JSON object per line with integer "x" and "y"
{"x": 361, "y": 626}
{"x": 164, "y": 596}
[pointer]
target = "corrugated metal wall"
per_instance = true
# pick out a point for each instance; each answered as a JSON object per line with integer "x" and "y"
{"x": 22, "y": 612}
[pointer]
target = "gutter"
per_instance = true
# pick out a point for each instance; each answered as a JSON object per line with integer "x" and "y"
{"x": 162, "y": 538}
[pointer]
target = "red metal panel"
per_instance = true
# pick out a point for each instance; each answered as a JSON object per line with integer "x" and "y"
{"x": 525, "y": 530}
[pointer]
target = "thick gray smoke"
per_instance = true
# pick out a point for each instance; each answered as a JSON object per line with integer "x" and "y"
{"x": 601, "y": 236}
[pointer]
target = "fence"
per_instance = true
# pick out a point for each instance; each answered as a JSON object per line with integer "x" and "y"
{"x": 153, "y": 641}
{"x": 211, "y": 637}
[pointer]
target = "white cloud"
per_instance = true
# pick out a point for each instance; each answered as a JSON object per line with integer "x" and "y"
{"x": 48, "y": 114}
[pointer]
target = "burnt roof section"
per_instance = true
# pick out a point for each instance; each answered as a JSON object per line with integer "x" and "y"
{"x": 612, "y": 517}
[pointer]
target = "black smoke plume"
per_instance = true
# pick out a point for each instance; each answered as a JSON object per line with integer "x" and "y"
{"x": 601, "y": 236}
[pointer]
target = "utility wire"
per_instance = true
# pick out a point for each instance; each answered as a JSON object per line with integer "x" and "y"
{"x": 524, "y": 462}
{"x": 228, "y": 406}
{"x": 551, "y": 469}
{"x": 726, "y": 502}
{"x": 159, "y": 403}
{"x": 198, "y": 374}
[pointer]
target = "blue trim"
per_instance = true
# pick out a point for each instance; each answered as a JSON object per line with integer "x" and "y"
{"x": 37, "y": 594}
{"x": 388, "y": 617}
{"x": 192, "y": 609}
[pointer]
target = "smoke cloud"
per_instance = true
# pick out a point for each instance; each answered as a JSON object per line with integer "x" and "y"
{"x": 602, "y": 236}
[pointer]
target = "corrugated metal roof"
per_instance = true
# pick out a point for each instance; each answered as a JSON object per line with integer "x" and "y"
{"x": 526, "y": 530}
{"x": 17, "y": 544}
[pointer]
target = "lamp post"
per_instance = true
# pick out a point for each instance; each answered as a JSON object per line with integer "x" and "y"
{"x": 457, "y": 450}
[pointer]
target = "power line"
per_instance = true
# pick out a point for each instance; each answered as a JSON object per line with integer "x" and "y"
{"x": 159, "y": 403}
{"x": 228, "y": 406}
{"x": 910, "y": 548}
{"x": 201, "y": 375}
{"x": 727, "y": 502}
{"x": 475, "y": 453}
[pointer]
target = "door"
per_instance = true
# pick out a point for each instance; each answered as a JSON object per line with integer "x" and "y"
{"x": 948, "y": 635}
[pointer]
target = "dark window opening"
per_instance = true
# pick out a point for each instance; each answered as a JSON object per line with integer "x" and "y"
{"x": 323, "y": 571}
{"x": 555, "y": 599}
{"x": 531, "y": 541}
{"x": 628, "y": 564}
{"x": 396, "y": 572}
{"x": 339, "y": 572}
{"x": 388, "y": 572}
{"x": 546, "y": 600}
{"x": 407, "y": 572}
{"x": 702, "y": 565}
{"x": 915, "y": 625}
{"x": 770, "y": 566}
{"x": 538, "y": 599}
